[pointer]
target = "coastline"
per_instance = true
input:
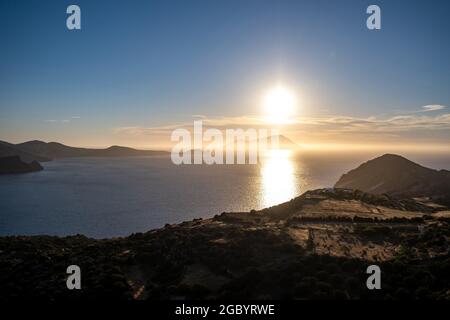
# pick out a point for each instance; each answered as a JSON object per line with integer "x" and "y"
{"x": 240, "y": 255}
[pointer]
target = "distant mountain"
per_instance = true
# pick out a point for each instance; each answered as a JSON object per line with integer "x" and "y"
{"x": 248, "y": 144}
{"x": 283, "y": 142}
{"x": 270, "y": 142}
{"x": 398, "y": 176}
{"x": 54, "y": 150}
{"x": 118, "y": 151}
{"x": 9, "y": 149}
{"x": 14, "y": 164}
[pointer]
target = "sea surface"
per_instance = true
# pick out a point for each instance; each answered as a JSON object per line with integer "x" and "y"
{"x": 109, "y": 197}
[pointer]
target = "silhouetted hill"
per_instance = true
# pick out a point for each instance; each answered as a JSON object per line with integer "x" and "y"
{"x": 56, "y": 150}
{"x": 9, "y": 149}
{"x": 118, "y": 151}
{"x": 14, "y": 164}
{"x": 283, "y": 142}
{"x": 396, "y": 175}
{"x": 52, "y": 150}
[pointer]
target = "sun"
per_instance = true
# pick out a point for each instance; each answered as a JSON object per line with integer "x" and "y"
{"x": 279, "y": 104}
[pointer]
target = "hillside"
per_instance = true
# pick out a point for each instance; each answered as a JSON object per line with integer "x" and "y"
{"x": 25, "y": 157}
{"x": 398, "y": 176}
{"x": 316, "y": 246}
{"x": 56, "y": 150}
{"x": 9, "y": 149}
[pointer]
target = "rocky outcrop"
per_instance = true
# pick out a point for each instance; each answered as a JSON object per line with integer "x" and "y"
{"x": 397, "y": 176}
{"x": 14, "y": 164}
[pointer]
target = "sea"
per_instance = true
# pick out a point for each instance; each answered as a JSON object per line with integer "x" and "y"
{"x": 114, "y": 197}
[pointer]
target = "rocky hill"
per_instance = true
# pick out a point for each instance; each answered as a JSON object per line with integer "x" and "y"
{"x": 397, "y": 176}
{"x": 9, "y": 149}
{"x": 55, "y": 150}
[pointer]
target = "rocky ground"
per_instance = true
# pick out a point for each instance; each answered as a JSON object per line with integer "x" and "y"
{"x": 316, "y": 246}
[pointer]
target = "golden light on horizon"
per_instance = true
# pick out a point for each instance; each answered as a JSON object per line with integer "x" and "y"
{"x": 279, "y": 105}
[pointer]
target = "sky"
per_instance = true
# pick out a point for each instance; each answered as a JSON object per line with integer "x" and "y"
{"x": 138, "y": 69}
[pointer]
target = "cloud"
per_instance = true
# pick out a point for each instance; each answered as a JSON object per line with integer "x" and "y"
{"x": 137, "y": 131}
{"x": 62, "y": 120}
{"x": 57, "y": 121}
{"x": 432, "y": 107}
{"x": 417, "y": 127}
{"x": 343, "y": 123}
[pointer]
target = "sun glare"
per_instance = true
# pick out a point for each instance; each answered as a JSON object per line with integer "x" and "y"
{"x": 279, "y": 105}
{"x": 278, "y": 178}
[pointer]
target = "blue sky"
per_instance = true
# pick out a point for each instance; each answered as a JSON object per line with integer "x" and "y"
{"x": 148, "y": 64}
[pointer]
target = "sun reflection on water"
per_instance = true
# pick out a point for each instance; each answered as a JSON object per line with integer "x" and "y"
{"x": 278, "y": 177}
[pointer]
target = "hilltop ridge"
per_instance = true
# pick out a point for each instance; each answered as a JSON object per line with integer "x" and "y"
{"x": 397, "y": 176}
{"x": 56, "y": 150}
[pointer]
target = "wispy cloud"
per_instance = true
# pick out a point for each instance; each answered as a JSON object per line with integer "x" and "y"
{"x": 433, "y": 107}
{"x": 57, "y": 121}
{"x": 62, "y": 120}
{"x": 416, "y": 127}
